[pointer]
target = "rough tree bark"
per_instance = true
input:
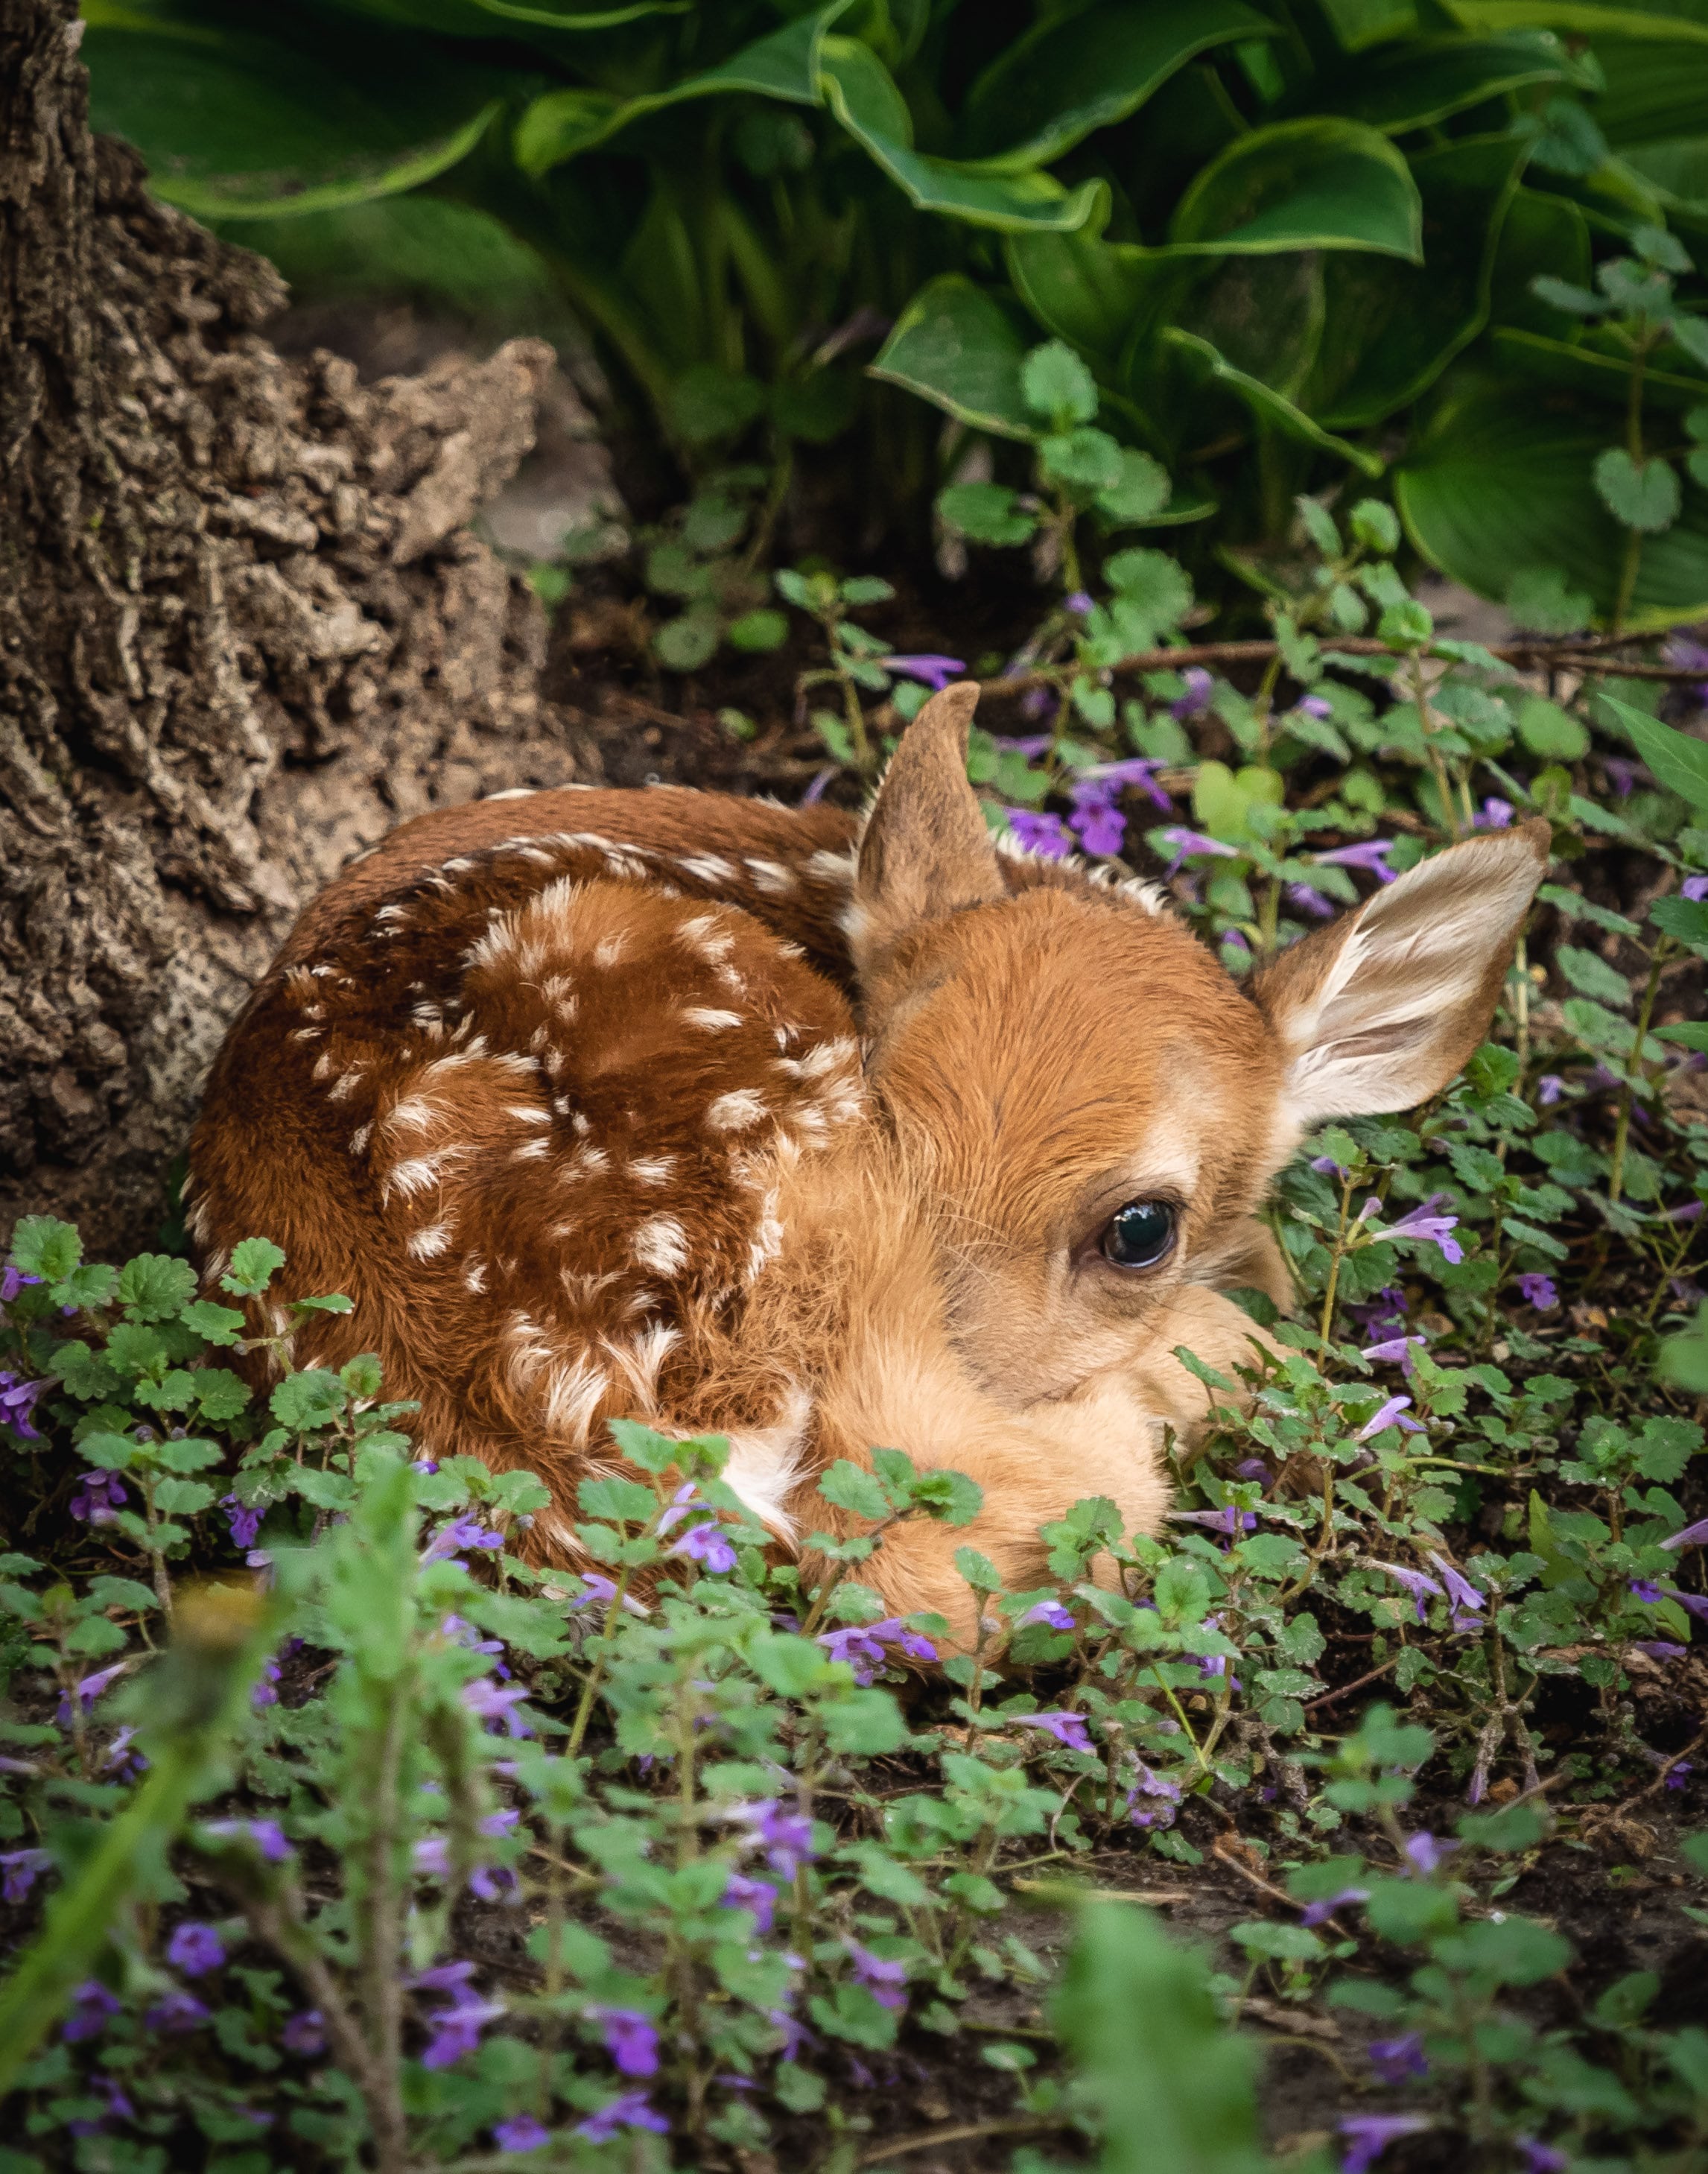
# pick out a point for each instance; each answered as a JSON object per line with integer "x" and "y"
{"x": 243, "y": 631}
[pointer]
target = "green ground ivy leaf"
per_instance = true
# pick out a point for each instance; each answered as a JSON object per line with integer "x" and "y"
{"x": 1642, "y": 493}
{"x": 1550, "y": 731}
{"x": 864, "y": 97}
{"x": 235, "y": 126}
{"x": 956, "y": 346}
{"x": 1311, "y": 184}
{"x": 1680, "y": 763}
{"x": 1072, "y": 74}
{"x": 1496, "y": 480}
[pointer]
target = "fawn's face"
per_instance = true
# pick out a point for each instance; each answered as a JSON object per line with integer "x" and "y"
{"x": 1089, "y": 1105}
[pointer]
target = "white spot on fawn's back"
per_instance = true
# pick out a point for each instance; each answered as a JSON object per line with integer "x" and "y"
{"x": 660, "y": 1244}
{"x": 734, "y": 1111}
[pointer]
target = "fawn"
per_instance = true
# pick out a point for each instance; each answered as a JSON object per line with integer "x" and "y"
{"x": 820, "y": 1135}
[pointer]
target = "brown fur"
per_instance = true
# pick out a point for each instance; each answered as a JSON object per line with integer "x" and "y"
{"x": 651, "y": 1104}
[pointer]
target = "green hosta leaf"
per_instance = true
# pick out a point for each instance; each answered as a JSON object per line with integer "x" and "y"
{"x": 986, "y": 513}
{"x": 1496, "y": 480}
{"x": 237, "y": 126}
{"x": 1204, "y": 361}
{"x": 1680, "y": 762}
{"x": 956, "y": 346}
{"x": 1421, "y": 81}
{"x": 1311, "y": 184}
{"x": 1070, "y": 75}
{"x": 865, "y": 99}
{"x": 1643, "y": 495}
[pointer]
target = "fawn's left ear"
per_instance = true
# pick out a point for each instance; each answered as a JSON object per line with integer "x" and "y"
{"x": 1378, "y": 1011}
{"x": 924, "y": 851}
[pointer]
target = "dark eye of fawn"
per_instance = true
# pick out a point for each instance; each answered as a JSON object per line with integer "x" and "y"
{"x": 1139, "y": 1235}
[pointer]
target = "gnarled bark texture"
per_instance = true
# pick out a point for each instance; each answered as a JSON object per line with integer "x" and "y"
{"x": 243, "y": 631}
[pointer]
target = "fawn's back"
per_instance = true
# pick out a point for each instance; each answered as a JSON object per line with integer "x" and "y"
{"x": 660, "y": 1104}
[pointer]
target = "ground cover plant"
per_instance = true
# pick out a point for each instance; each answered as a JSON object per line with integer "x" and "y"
{"x": 333, "y": 1834}
{"x": 1282, "y": 236}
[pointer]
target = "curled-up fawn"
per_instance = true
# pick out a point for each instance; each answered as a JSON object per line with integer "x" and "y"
{"x": 745, "y": 1120}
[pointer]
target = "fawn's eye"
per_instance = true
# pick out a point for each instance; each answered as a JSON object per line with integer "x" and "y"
{"x": 1139, "y": 1235}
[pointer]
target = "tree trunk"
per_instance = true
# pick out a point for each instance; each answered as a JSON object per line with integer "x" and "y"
{"x": 243, "y": 631}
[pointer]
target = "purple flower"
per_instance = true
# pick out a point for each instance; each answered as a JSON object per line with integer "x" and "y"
{"x": 1660, "y": 1649}
{"x": 1645, "y": 1590}
{"x": 634, "y": 2110}
{"x": 22, "y": 1869}
{"x": 12, "y": 1281}
{"x": 1542, "y": 2158}
{"x": 1424, "y": 1854}
{"x": 520, "y": 2133}
{"x": 707, "y": 1545}
{"x": 450, "y": 1539}
{"x": 1695, "y": 1602}
{"x": 456, "y": 2028}
{"x": 1049, "y": 1612}
{"x": 1034, "y": 744}
{"x": 810, "y": 799}
{"x": 1315, "y": 1913}
{"x": 1164, "y": 1794}
{"x": 267, "y": 1835}
{"x": 1368, "y": 2135}
{"x": 882, "y": 1979}
{"x": 1392, "y": 1413}
{"x": 92, "y": 2007}
{"x": 99, "y": 1497}
{"x": 786, "y": 1836}
{"x": 1423, "y": 1223}
{"x": 1069, "y": 1729}
{"x": 305, "y": 2032}
{"x": 1371, "y": 855}
{"x": 1182, "y": 842}
{"x": 1463, "y": 1595}
{"x": 862, "y": 1645}
{"x": 266, "y": 1691}
{"x": 1395, "y": 1348}
{"x": 1230, "y": 1519}
{"x": 1678, "y": 1773}
{"x": 1327, "y": 1166}
{"x": 1397, "y": 2060}
{"x": 1694, "y": 887}
{"x": 195, "y": 1949}
{"x": 1200, "y": 690}
{"x": 245, "y": 1519}
{"x": 118, "y": 2107}
{"x": 631, "y": 2039}
{"x": 935, "y": 671}
{"x": 1046, "y": 835}
{"x": 1415, "y": 1581}
{"x": 759, "y": 1896}
{"x": 1305, "y": 898}
{"x": 1252, "y": 1468}
{"x": 1139, "y": 770}
{"x": 1539, "y": 1292}
{"x": 1495, "y": 814}
{"x": 1548, "y": 1089}
{"x": 88, "y": 1690}
{"x": 1079, "y": 603}
{"x": 1099, "y": 823}
{"x": 176, "y": 2011}
{"x": 1623, "y": 773}
{"x": 1314, "y": 706}
{"x": 17, "y": 1402}
{"x": 1693, "y": 1536}
{"x": 490, "y": 1701}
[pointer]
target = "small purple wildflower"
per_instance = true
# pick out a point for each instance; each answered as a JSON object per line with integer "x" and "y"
{"x": 1425, "y": 1853}
{"x": 1164, "y": 1794}
{"x": 266, "y": 1690}
{"x": 12, "y": 1281}
{"x": 305, "y": 2032}
{"x": 1051, "y": 1613}
{"x": 118, "y": 2107}
{"x": 1327, "y": 1166}
{"x": 1397, "y": 2060}
{"x": 1394, "y": 1349}
{"x": 1495, "y": 814}
{"x": 1314, "y": 706}
{"x": 862, "y": 1645}
{"x": 1252, "y": 1468}
{"x": 175, "y": 2012}
{"x": 1392, "y": 1413}
{"x": 1370, "y": 855}
{"x": 1542, "y": 2158}
{"x": 1645, "y": 1590}
{"x": 1623, "y": 773}
{"x": 1369, "y": 2135}
{"x": 1315, "y": 1914}
{"x": 451, "y": 1539}
{"x": 633, "y": 2109}
{"x": 98, "y": 1499}
{"x": 1097, "y": 823}
{"x": 17, "y": 1403}
{"x": 934, "y": 672}
{"x": 92, "y": 2008}
{"x": 631, "y": 2039}
{"x": 88, "y": 1690}
{"x": 884, "y": 1980}
{"x": 1548, "y": 1089}
{"x": 195, "y": 1949}
{"x": 490, "y": 1701}
{"x": 267, "y": 1835}
{"x": 1305, "y": 898}
{"x": 1230, "y": 1519}
{"x": 1660, "y": 1649}
{"x": 1416, "y": 1582}
{"x": 1424, "y": 1223}
{"x": 1693, "y": 1536}
{"x": 1693, "y": 888}
{"x": 1046, "y": 835}
{"x": 1678, "y": 1773}
{"x": 22, "y": 1869}
{"x": 1079, "y": 603}
{"x": 1538, "y": 1292}
{"x": 457, "y": 2029}
{"x": 810, "y": 799}
{"x": 786, "y": 1836}
{"x": 520, "y": 2133}
{"x": 1139, "y": 771}
{"x": 1181, "y": 842}
{"x": 245, "y": 1519}
{"x": 1069, "y": 1729}
{"x": 1463, "y": 1595}
{"x": 759, "y": 1896}
{"x": 1200, "y": 687}
{"x": 709, "y": 1546}
{"x": 1034, "y": 744}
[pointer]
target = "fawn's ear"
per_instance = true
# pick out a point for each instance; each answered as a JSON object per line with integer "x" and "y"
{"x": 1378, "y": 1011}
{"x": 924, "y": 851}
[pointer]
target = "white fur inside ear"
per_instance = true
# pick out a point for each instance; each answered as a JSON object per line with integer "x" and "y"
{"x": 1381, "y": 1031}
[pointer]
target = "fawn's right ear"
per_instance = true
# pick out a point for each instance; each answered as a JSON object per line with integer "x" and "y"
{"x": 924, "y": 851}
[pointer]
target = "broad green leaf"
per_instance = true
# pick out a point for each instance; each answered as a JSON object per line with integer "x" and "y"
{"x": 1097, "y": 295}
{"x": 1496, "y": 481}
{"x": 1312, "y": 184}
{"x": 1541, "y": 236}
{"x": 1594, "y": 19}
{"x": 1203, "y": 362}
{"x": 784, "y": 64}
{"x": 1071, "y": 75}
{"x": 1680, "y": 762}
{"x": 236, "y": 126}
{"x": 864, "y": 99}
{"x": 1582, "y": 366}
{"x": 1692, "y": 1035}
{"x": 1656, "y": 90}
{"x": 1391, "y": 328}
{"x": 956, "y": 346}
{"x": 1421, "y": 82}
